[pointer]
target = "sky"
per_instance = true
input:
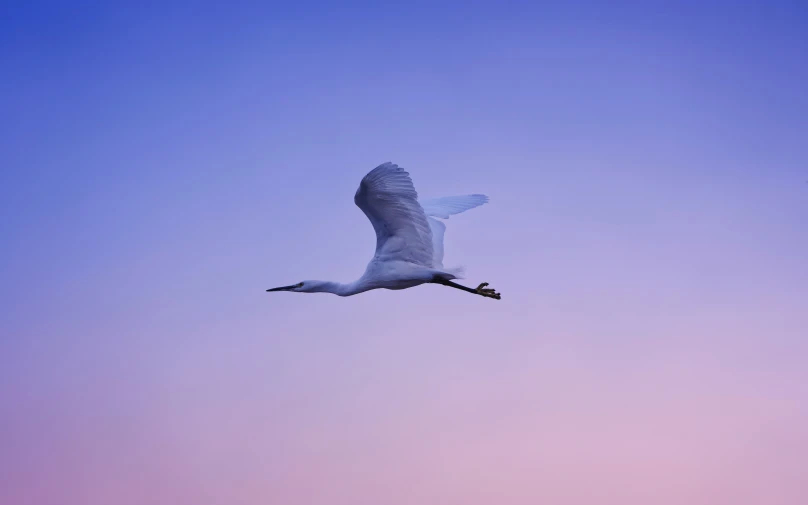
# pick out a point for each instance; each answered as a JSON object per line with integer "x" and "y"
{"x": 162, "y": 165}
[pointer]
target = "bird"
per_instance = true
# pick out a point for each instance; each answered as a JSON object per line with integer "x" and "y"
{"x": 409, "y": 237}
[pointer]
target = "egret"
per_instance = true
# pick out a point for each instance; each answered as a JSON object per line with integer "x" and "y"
{"x": 409, "y": 237}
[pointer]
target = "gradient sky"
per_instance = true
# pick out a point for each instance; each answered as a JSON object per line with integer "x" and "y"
{"x": 161, "y": 166}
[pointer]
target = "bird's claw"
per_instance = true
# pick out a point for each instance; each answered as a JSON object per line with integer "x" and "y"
{"x": 489, "y": 293}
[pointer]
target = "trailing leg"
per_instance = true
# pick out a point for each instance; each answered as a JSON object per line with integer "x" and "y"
{"x": 480, "y": 290}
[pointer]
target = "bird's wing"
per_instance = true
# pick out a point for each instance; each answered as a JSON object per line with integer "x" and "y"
{"x": 438, "y": 228}
{"x": 443, "y": 208}
{"x": 449, "y": 205}
{"x": 388, "y": 198}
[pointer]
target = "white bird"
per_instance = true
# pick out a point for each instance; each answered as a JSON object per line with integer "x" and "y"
{"x": 409, "y": 238}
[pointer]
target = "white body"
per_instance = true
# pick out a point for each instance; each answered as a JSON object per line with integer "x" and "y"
{"x": 397, "y": 274}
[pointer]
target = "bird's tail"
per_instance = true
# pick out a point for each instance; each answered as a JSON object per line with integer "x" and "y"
{"x": 456, "y": 273}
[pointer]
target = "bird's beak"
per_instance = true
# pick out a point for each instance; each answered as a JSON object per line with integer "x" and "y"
{"x": 283, "y": 288}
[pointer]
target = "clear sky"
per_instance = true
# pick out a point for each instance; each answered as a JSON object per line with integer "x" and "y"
{"x": 161, "y": 166}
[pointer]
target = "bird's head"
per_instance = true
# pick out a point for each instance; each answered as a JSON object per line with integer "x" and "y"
{"x": 302, "y": 287}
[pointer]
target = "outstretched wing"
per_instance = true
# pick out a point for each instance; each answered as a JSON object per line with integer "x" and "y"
{"x": 388, "y": 198}
{"x": 443, "y": 208}
{"x": 449, "y": 205}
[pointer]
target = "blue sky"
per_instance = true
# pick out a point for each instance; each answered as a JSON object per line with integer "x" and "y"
{"x": 162, "y": 165}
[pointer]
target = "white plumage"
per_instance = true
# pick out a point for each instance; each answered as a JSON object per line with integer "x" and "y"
{"x": 443, "y": 208}
{"x": 449, "y": 205}
{"x": 409, "y": 238}
{"x": 389, "y": 200}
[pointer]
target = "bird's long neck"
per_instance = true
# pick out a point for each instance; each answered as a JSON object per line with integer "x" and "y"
{"x": 339, "y": 288}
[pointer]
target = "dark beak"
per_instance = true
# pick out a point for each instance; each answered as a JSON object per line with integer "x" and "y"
{"x": 282, "y": 288}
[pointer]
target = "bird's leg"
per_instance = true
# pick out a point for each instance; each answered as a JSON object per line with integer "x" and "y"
{"x": 480, "y": 290}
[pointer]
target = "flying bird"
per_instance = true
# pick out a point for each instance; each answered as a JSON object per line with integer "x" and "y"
{"x": 409, "y": 237}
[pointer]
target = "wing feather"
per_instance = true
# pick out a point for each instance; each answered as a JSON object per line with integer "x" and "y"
{"x": 438, "y": 229}
{"x": 449, "y": 205}
{"x": 388, "y": 198}
{"x": 443, "y": 208}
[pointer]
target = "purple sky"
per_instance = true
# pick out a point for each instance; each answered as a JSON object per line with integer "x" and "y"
{"x": 161, "y": 167}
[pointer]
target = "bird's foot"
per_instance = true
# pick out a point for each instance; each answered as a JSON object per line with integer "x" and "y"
{"x": 489, "y": 293}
